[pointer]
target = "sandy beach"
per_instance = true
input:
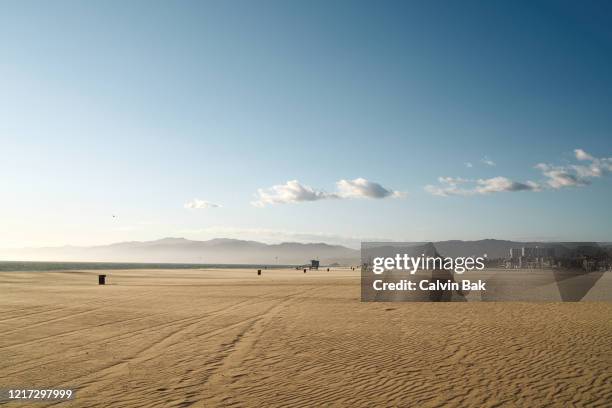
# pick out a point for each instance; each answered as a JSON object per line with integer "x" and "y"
{"x": 208, "y": 338}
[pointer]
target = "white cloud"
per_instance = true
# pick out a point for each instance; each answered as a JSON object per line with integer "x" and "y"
{"x": 361, "y": 187}
{"x": 200, "y": 204}
{"x": 487, "y": 161}
{"x": 575, "y": 175}
{"x": 582, "y": 155}
{"x": 290, "y": 192}
{"x": 458, "y": 186}
{"x": 293, "y": 192}
{"x": 500, "y": 184}
{"x": 468, "y": 165}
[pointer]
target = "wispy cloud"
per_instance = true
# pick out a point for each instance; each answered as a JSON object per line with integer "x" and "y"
{"x": 487, "y": 161}
{"x": 560, "y": 176}
{"x": 449, "y": 186}
{"x": 294, "y": 192}
{"x": 555, "y": 177}
{"x": 575, "y": 175}
{"x": 469, "y": 165}
{"x": 200, "y": 204}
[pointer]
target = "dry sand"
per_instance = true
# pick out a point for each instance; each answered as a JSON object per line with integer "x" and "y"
{"x": 206, "y": 338}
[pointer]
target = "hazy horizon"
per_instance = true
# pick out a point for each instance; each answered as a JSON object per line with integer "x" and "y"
{"x": 234, "y": 251}
{"x": 354, "y": 245}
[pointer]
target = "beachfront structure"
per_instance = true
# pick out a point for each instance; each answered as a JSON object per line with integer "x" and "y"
{"x": 314, "y": 264}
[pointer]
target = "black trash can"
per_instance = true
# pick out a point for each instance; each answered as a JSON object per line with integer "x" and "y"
{"x": 259, "y": 272}
{"x": 101, "y": 279}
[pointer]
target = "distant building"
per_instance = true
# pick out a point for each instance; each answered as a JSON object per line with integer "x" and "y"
{"x": 588, "y": 257}
{"x": 314, "y": 264}
{"x": 516, "y": 253}
{"x": 537, "y": 252}
{"x": 531, "y": 257}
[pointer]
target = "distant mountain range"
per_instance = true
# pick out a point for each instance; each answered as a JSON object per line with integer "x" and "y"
{"x": 181, "y": 250}
{"x": 234, "y": 251}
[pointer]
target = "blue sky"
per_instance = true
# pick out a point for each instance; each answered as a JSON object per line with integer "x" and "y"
{"x": 136, "y": 109}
